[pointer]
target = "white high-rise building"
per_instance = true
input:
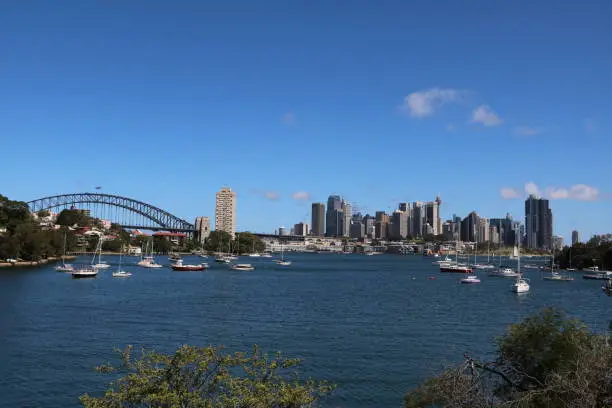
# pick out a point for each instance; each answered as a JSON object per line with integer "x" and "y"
{"x": 348, "y": 214}
{"x": 225, "y": 211}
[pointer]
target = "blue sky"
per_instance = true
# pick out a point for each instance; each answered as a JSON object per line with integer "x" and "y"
{"x": 380, "y": 102}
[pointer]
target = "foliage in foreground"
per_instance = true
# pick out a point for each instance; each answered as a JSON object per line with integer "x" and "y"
{"x": 547, "y": 360}
{"x": 207, "y": 377}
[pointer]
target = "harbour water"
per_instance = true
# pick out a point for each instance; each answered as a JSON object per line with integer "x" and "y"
{"x": 376, "y": 326}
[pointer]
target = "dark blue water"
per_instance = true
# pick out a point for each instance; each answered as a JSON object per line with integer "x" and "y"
{"x": 376, "y": 326}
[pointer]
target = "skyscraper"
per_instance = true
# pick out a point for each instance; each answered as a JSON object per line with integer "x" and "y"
{"x": 318, "y": 219}
{"x": 575, "y": 237}
{"x": 399, "y": 225}
{"x": 202, "y": 226}
{"x": 348, "y": 214}
{"x": 300, "y": 229}
{"x": 432, "y": 215}
{"x": 538, "y": 223}
{"x": 334, "y": 217}
{"x": 469, "y": 227}
{"x": 225, "y": 211}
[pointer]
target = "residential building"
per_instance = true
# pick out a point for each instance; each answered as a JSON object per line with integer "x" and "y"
{"x": 300, "y": 229}
{"x": 334, "y": 217}
{"x": 368, "y": 222}
{"x": 202, "y": 226}
{"x": 318, "y": 219}
{"x": 538, "y": 223}
{"x": 557, "y": 242}
{"x": 225, "y": 211}
{"x": 483, "y": 230}
{"x": 575, "y": 237}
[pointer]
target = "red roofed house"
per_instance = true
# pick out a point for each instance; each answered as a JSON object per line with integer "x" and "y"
{"x": 176, "y": 238}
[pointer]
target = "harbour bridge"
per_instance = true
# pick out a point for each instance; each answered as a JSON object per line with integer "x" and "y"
{"x": 127, "y": 212}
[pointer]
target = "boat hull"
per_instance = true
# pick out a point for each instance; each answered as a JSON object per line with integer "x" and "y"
{"x": 455, "y": 269}
{"x": 189, "y": 268}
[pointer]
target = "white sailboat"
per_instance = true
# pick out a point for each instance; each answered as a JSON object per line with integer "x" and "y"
{"x": 522, "y": 284}
{"x": 86, "y": 271}
{"x": 148, "y": 261}
{"x": 283, "y": 261}
{"x": 100, "y": 264}
{"x": 119, "y": 273}
{"x": 64, "y": 267}
{"x": 556, "y": 276}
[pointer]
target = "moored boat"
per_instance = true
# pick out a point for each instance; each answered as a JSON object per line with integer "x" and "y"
{"x": 243, "y": 267}
{"x": 179, "y": 266}
{"x": 504, "y": 273}
{"x": 121, "y": 274}
{"x": 84, "y": 272}
{"x": 455, "y": 268}
{"x": 470, "y": 279}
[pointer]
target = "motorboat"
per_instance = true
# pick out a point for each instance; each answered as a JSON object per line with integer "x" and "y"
{"x": 121, "y": 274}
{"x": 180, "y": 266}
{"x": 174, "y": 257}
{"x": 243, "y": 267}
{"x": 446, "y": 260}
{"x": 223, "y": 259}
{"x": 455, "y": 268}
{"x": 530, "y": 266}
{"x": 267, "y": 255}
{"x": 483, "y": 266}
{"x": 101, "y": 265}
{"x": 603, "y": 275}
{"x": 592, "y": 269}
{"x": 470, "y": 279}
{"x": 521, "y": 285}
{"x": 283, "y": 263}
{"x": 557, "y": 277}
{"x": 203, "y": 256}
{"x": 504, "y": 273}
{"x": 255, "y": 255}
{"x": 64, "y": 267}
{"x": 84, "y": 272}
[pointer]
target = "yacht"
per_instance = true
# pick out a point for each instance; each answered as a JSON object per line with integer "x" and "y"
{"x": 100, "y": 264}
{"x": 483, "y": 266}
{"x": 455, "y": 268}
{"x": 592, "y": 269}
{"x": 223, "y": 259}
{"x": 243, "y": 267}
{"x": 446, "y": 260}
{"x": 174, "y": 257}
{"x": 283, "y": 263}
{"x": 255, "y": 255}
{"x": 179, "y": 266}
{"x": 521, "y": 285}
{"x": 603, "y": 275}
{"x": 607, "y": 287}
{"x": 504, "y": 273}
{"x": 470, "y": 279}
{"x": 267, "y": 255}
{"x": 557, "y": 277}
{"x": 64, "y": 267}
{"x": 149, "y": 262}
{"x": 121, "y": 274}
{"x": 84, "y": 272}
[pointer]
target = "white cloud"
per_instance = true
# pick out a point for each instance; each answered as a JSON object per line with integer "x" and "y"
{"x": 579, "y": 192}
{"x": 301, "y": 196}
{"x": 527, "y": 131}
{"x": 485, "y": 115}
{"x": 509, "y": 193}
{"x": 289, "y": 118}
{"x": 267, "y": 194}
{"x": 532, "y": 188}
{"x": 424, "y": 103}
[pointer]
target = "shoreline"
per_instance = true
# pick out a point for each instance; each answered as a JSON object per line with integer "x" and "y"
{"x": 35, "y": 263}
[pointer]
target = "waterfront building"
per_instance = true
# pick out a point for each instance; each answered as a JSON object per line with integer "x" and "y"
{"x": 318, "y": 219}
{"x": 282, "y": 231}
{"x": 538, "y": 223}
{"x": 346, "y": 222}
{"x": 300, "y": 229}
{"x": 368, "y": 222}
{"x": 334, "y": 217}
{"x": 432, "y": 216}
{"x": 380, "y": 229}
{"x": 493, "y": 234}
{"x": 202, "y": 226}
{"x": 483, "y": 230}
{"x": 417, "y": 219}
{"x": 575, "y": 237}
{"x": 225, "y": 211}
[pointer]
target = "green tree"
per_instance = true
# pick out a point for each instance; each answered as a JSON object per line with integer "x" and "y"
{"x": 207, "y": 378}
{"x": 548, "y": 360}
{"x": 112, "y": 245}
{"x": 73, "y": 217}
{"x": 246, "y": 243}
{"x": 161, "y": 245}
{"x": 43, "y": 213}
{"x": 218, "y": 241}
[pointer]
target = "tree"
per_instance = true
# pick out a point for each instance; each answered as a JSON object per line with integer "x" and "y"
{"x": 43, "y": 213}
{"x": 71, "y": 217}
{"x": 218, "y": 241}
{"x": 246, "y": 242}
{"x": 208, "y": 378}
{"x": 548, "y": 360}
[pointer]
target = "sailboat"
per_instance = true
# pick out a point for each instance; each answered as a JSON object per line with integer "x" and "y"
{"x": 570, "y": 269}
{"x": 149, "y": 260}
{"x": 556, "y": 276}
{"x": 119, "y": 273}
{"x": 101, "y": 264}
{"x": 64, "y": 267}
{"x": 455, "y": 267}
{"x": 515, "y": 253}
{"x": 522, "y": 284}
{"x": 283, "y": 261}
{"x": 254, "y": 254}
{"x": 87, "y": 271}
{"x": 221, "y": 257}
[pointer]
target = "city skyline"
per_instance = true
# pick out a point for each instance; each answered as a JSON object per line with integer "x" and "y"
{"x": 377, "y": 104}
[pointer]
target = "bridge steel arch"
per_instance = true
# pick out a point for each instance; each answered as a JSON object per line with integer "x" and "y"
{"x": 160, "y": 217}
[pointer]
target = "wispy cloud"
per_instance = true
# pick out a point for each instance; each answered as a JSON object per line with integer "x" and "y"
{"x": 424, "y": 103}
{"x": 510, "y": 193}
{"x": 578, "y": 192}
{"x": 486, "y": 115}
{"x": 527, "y": 131}
{"x": 289, "y": 118}
{"x": 267, "y": 194}
{"x": 301, "y": 196}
